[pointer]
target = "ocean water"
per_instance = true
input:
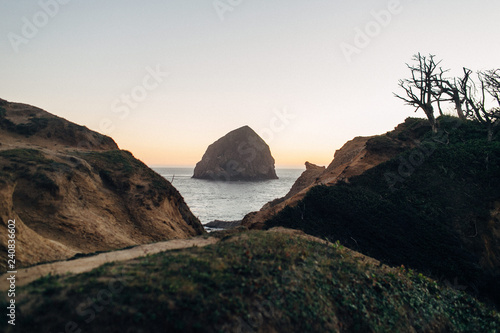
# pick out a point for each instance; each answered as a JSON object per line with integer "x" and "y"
{"x": 227, "y": 201}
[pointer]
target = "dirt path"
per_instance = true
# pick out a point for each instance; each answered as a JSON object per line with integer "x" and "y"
{"x": 26, "y": 275}
{"x": 30, "y": 274}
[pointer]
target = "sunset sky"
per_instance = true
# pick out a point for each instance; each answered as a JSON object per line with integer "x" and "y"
{"x": 167, "y": 78}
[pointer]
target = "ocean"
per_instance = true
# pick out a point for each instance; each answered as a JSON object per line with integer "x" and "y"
{"x": 227, "y": 201}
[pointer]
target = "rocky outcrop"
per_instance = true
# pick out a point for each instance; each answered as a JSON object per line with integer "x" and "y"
{"x": 26, "y": 125}
{"x": 308, "y": 177}
{"x": 354, "y": 158}
{"x": 239, "y": 155}
{"x": 71, "y": 190}
{"x": 218, "y": 224}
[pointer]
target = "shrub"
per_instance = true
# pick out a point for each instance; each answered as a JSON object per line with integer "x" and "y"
{"x": 434, "y": 220}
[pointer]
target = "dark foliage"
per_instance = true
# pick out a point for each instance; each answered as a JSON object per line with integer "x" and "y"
{"x": 28, "y": 129}
{"x": 431, "y": 215}
{"x": 252, "y": 282}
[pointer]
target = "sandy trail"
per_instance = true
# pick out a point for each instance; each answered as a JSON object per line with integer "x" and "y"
{"x": 26, "y": 275}
{"x": 30, "y": 274}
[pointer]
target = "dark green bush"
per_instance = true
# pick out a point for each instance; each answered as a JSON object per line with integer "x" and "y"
{"x": 426, "y": 218}
{"x": 25, "y": 155}
{"x": 383, "y": 144}
{"x": 32, "y": 127}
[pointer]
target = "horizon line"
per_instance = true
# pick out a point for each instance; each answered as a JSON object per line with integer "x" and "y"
{"x": 186, "y": 166}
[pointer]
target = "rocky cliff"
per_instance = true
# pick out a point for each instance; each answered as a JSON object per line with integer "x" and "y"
{"x": 352, "y": 159}
{"x": 308, "y": 177}
{"x": 71, "y": 190}
{"x": 239, "y": 155}
{"x": 433, "y": 208}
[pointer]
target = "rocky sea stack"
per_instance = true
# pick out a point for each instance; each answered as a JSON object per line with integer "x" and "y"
{"x": 240, "y": 155}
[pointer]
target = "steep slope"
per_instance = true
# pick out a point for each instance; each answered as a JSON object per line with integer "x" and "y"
{"x": 433, "y": 208}
{"x": 354, "y": 158}
{"x": 70, "y": 190}
{"x": 308, "y": 177}
{"x": 239, "y": 155}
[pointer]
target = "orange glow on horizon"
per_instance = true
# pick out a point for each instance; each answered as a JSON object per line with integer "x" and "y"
{"x": 189, "y": 158}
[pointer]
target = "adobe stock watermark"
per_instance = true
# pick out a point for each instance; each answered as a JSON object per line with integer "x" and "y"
{"x": 32, "y": 26}
{"x": 11, "y": 266}
{"x": 222, "y": 7}
{"x": 280, "y": 120}
{"x": 363, "y": 36}
{"x": 127, "y": 102}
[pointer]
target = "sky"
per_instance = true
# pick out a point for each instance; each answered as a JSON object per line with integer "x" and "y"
{"x": 165, "y": 79}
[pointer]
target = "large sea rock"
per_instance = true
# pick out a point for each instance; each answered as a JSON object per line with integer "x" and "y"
{"x": 71, "y": 190}
{"x": 240, "y": 155}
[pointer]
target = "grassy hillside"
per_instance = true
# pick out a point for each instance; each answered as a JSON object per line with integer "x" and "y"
{"x": 428, "y": 209}
{"x": 256, "y": 281}
{"x": 80, "y": 201}
{"x": 117, "y": 167}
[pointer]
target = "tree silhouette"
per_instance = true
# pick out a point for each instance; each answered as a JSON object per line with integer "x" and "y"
{"x": 475, "y": 99}
{"x": 453, "y": 89}
{"x": 482, "y": 98}
{"x": 422, "y": 89}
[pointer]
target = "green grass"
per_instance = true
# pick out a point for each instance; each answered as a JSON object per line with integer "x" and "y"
{"x": 119, "y": 160}
{"x": 115, "y": 166}
{"x": 250, "y": 282}
{"x": 25, "y": 155}
{"x": 31, "y": 165}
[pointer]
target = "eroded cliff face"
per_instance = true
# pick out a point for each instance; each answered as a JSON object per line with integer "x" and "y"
{"x": 30, "y": 247}
{"x": 239, "y": 155}
{"x": 70, "y": 190}
{"x": 354, "y": 158}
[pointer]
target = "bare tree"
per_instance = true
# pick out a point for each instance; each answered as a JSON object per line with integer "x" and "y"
{"x": 422, "y": 90}
{"x": 452, "y": 88}
{"x": 492, "y": 79}
{"x": 482, "y": 99}
{"x": 428, "y": 86}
